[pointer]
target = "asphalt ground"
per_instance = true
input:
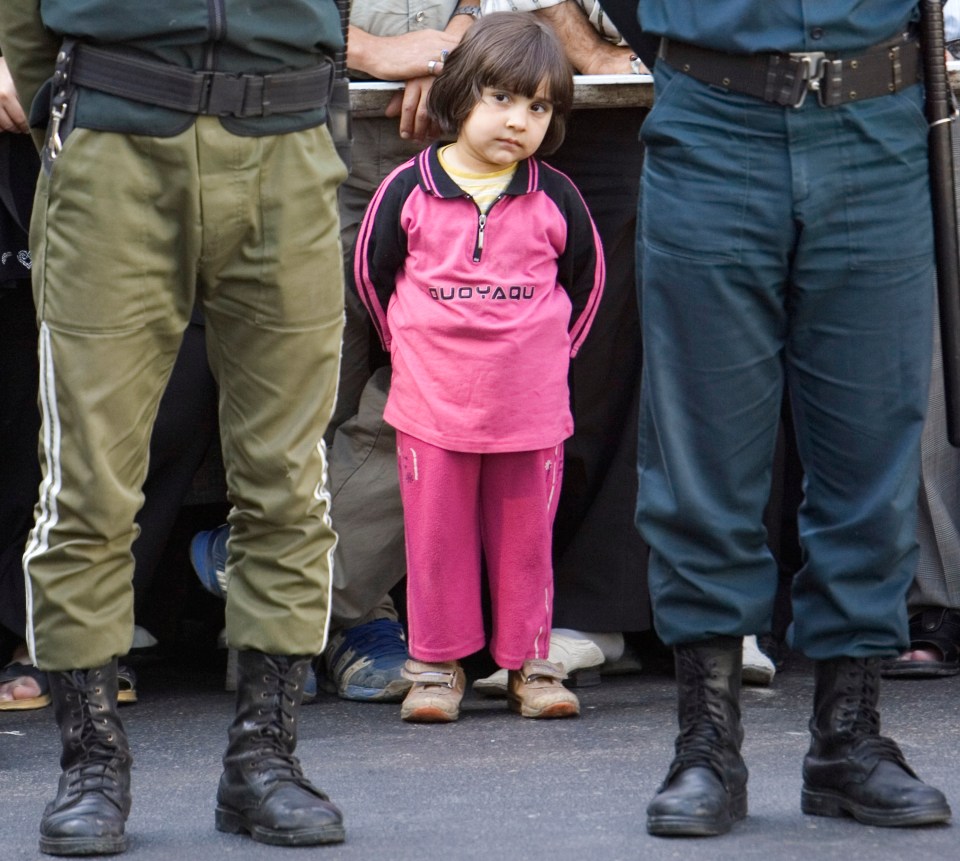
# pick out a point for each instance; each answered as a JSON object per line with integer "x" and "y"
{"x": 492, "y": 785}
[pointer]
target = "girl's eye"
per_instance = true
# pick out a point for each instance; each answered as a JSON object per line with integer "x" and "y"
{"x": 539, "y": 108}
{"x": 501, "y": 97}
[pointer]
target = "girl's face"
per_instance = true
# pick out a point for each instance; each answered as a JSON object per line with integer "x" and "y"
{"x": 502, "y": 129}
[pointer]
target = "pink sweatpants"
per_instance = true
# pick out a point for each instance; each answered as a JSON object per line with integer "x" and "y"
{"x": 457, "y": 505}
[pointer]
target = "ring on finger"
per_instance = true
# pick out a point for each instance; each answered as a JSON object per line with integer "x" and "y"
{"x": 432, "y": 66}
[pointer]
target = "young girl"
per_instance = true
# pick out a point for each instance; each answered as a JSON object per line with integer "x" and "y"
{"x": 482, "y": 271}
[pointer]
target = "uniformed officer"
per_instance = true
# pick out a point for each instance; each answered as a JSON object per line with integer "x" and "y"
{"x": 186, "y": 152}
{"x": 786, "y": 240}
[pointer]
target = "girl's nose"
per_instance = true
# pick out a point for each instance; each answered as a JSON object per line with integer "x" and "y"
{"x": 516, "y": 119}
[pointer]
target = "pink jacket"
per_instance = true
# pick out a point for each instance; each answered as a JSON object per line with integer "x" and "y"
{"x": 480, "y": 313}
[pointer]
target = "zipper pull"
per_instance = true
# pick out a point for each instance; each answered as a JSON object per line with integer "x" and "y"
{"x": 481, "y": 224}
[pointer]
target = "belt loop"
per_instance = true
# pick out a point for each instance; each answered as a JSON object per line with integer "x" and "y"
{"x": 265, "y": 104}
{"x": 771, "y": 86}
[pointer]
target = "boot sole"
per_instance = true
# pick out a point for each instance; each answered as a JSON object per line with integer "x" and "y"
{"x": 83, "y": 845}
{"x": 696, "y": 826}
{"x": 670, "y": 826}
{"x": 230, "y": 822}
{"x": 821, "y": 803}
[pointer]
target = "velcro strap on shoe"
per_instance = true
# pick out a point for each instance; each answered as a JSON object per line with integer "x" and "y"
{"x": 541, "y": 669}
{"x": 446, "y": 678}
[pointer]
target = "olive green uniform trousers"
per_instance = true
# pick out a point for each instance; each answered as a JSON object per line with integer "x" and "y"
{"x": 127, "y": 231}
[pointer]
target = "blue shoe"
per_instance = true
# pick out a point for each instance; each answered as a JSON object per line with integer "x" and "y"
{"x": 310, "y": 686}
{"x": 364, "y": 663}
{"x": 208, "y": 555}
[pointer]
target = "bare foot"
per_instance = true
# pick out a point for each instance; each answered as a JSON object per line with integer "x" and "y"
{"x": 926, "y": 655}
{"x": 23, "y": 687}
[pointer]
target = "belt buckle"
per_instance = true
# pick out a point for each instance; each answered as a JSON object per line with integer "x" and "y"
{"x": 812, "y": 67}
{"x": 224, "y": 94}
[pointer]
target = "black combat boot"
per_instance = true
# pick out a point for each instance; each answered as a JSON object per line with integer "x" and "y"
{"x": 705, "y": 791}
{"x": 93, "y": 800}
{"x": 850, "y": 768}
{"x": 262, "y": 790}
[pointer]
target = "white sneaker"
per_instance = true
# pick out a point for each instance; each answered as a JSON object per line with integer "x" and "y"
{"x": 573, "y": 654}
{"x": 758, "y": 669}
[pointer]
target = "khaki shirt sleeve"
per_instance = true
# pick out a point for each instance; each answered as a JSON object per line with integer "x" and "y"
{"x": 29, "y": 48}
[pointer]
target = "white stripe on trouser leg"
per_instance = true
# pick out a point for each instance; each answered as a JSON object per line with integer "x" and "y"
{"x": 551, "y": 466}
{"x": 50, "y": 487}
{"x": 537, "y": 640}
{"x": 553, "y": 478}
{"x": 322, "y": 495}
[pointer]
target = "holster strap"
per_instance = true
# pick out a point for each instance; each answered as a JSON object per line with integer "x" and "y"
{"x": 144, "y": 79}
{"x": 786, "y": 78}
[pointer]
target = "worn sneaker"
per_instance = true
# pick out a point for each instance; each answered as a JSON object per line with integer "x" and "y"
{"x": 208, "y": 555}
{"x": 436, "y": 691}
{"x": 366, "y": 662}
{"x": 758, "y": 669}
{"x": 536, "y": 691}
{"x": 574, "y": 655}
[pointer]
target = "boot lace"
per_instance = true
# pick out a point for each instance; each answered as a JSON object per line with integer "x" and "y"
{"x": 859, "y": 720}
{"x": 97, "y": 759}
{"x": 702, "y": 741}
{"x": 273, "y": 755}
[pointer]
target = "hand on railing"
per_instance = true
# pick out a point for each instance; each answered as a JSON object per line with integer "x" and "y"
{"x": 410, "y": 104}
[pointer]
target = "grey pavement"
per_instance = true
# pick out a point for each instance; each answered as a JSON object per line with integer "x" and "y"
{"x": 492, "y": 785}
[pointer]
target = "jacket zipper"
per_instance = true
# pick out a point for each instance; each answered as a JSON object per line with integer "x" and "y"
{"x": 481, "y": 226}
{"x": 217, "y": 15}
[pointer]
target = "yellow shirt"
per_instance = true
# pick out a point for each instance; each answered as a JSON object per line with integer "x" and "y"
{"x": 484, "y": 188}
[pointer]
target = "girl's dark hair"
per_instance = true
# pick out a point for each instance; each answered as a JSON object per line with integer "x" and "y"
{"x": 512, "y": 51}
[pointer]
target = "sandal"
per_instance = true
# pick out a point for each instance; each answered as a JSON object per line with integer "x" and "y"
{"x": 936, "y": 630}
{"x": 126, "y": 685}
{"x": 13, "y": 671}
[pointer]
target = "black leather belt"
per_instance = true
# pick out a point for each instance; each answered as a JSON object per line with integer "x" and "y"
{"x": 785, "y": 79}
{"x": 144, "y": 79}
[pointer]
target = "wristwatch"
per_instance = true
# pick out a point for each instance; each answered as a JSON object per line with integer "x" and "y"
{"x": 472, "y": 11}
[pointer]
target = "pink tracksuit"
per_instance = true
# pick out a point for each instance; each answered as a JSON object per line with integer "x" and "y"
{"x": 481, "y": 315}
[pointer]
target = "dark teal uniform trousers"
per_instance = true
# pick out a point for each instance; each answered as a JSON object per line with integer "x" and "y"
{"x": 783, "y": 246}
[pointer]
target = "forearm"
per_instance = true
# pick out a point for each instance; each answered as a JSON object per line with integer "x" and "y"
{"x": 396, "y": 58}
{"x": 460, "y": 22}
{"x": 587, "y": 51}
